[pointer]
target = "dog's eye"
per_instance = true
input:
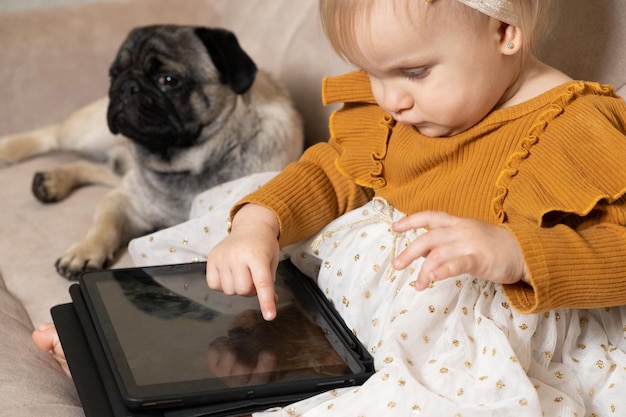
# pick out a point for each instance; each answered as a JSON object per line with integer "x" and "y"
{"x": 167, "y": 81}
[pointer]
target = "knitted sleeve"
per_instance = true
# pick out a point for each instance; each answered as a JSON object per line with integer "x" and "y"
{"x": 308, "y": 194}
{"x": 565, "y": 203}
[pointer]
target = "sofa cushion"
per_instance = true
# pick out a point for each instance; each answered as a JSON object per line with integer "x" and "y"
{"x": 32, "y": 382}
{"x": 587, "y": 41}
{"x": 35, "y": 234}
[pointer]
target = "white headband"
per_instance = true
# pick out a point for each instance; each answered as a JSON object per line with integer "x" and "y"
{"x": 502, "y": 10}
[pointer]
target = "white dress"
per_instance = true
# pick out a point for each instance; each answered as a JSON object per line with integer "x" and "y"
{"x": 454, "y": 349}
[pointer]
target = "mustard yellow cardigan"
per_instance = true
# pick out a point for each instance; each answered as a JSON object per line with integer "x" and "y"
{"x": 552, "y": 170}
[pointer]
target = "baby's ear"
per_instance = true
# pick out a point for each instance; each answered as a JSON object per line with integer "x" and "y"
{"x": 510, "y": 39}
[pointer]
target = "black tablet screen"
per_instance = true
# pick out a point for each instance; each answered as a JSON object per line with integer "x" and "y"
{"x": 170, "y": 338}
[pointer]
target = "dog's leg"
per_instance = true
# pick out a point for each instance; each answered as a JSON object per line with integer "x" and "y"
{"x": 116, "y": 221}
{"x": 16, "y": 148}
{"x": 85, "y": 132}
{"x": 56, "y": 184}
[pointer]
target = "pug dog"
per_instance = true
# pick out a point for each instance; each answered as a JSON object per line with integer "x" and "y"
{"x": 187, "y": 109}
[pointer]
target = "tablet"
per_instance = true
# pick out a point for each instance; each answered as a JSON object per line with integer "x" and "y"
{"x": 171, "y": 341}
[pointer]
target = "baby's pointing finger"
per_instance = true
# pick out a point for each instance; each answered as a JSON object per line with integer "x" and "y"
{"x": 264, "y": 284}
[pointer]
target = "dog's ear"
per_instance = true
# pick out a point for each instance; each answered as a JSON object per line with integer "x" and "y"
{"x": 235, "y": 66}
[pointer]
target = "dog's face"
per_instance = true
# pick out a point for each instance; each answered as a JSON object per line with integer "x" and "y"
{"x": 169, "y": 83}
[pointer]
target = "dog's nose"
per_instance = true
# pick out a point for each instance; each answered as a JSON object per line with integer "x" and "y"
{"x": 129, "y": 88}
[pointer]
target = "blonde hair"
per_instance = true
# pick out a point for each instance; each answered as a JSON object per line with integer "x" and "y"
{"x": 341, "y": 18}
{"x": 535, "y": 17}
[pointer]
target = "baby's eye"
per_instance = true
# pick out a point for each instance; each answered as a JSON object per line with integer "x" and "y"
{"x": 416, "y": 74}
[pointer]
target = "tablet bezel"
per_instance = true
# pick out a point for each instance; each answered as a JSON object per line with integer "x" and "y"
{"x": 183, "y": 393}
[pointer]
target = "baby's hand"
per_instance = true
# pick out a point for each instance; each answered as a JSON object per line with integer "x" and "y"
{"x": 455, "y": 246}
{"x": 245, "y": 262}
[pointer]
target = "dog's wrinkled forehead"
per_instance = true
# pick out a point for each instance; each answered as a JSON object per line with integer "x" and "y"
{"x": 152, "y": 46}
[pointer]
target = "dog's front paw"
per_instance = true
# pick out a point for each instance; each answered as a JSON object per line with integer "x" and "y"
{"x": 51, "y": 186}
{"x": 81, "y": 258}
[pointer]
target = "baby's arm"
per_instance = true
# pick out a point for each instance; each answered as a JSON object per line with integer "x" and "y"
{"x": 245, "y": 262}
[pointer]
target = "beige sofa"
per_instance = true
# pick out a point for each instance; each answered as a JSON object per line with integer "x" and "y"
{"x": 56, "y": 60}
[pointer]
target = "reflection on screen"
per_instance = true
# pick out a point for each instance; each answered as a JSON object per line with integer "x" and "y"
{"x": 173, "y": 328}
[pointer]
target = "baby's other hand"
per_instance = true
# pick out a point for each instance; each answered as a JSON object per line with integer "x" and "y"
{"x": 455, "y": 246}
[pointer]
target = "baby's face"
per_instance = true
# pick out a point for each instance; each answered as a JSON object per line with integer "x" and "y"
{"x": 432, "y": 70}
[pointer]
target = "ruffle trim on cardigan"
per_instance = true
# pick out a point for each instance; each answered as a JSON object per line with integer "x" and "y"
{"x": 597, "y": 192}
{"x": 361, "y": 128}
{"x": 353, "y": 87}
{"x": 363, "y": 144}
